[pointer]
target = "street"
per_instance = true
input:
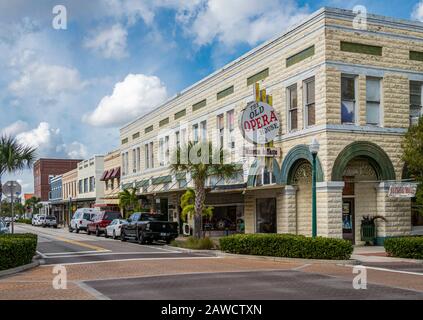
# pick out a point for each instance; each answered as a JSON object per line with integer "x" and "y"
{"x": 99, "y": 268}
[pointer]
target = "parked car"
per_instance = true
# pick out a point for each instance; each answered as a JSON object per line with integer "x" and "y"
{"x": 145, "y": 228}
{"x": 81, "y": 218}
{"x": 101, "y": 221}
{"x": 3, "y": 228}
{"x": 114, "y": 229}
{"x": 34, "y": 219}
{"x": 40, "y": 220}
{"x": 50, "y": 221}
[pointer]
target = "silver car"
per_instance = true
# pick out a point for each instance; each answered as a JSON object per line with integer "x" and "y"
{"x": 50, "y": 221}
{"x": 3, "y": 228}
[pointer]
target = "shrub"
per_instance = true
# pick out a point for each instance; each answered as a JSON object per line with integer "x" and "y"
{"x": 26, "y": 221}
{"x": 288, "y": 246}
{"x": 194, "y": 243}
{"x": 17, "y": 249}
{"x": 405, "y": 247}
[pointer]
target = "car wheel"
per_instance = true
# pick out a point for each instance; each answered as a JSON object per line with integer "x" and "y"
{"x": 141, "y": 239}
{"x": 114, "y": 235}
{"x": 168, "y": 241}
{"x": 88, "y": 231}
{"x": 97, "y": 232}
{"x": 122, "y": 236}
{"x": 70, "y": 229}
{"x": 76, "y": 229}
{"x": 105, "y": 234}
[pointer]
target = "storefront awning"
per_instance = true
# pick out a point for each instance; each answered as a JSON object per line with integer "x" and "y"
{"x": 115, "y": 173}
{"x": 103, "y": 177}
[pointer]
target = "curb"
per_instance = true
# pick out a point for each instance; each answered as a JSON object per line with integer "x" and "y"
{"x": 366, "y": 259}
{"x": 219, "y": 253}
{"x": 35, "y": 263}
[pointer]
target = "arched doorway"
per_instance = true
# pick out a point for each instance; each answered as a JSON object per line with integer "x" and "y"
{"x": 362, "y": 166}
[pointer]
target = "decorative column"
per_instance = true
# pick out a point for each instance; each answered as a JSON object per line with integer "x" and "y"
{"x": 329, "y": 209}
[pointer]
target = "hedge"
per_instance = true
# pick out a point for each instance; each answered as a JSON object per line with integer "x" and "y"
{"x": 288, "y": 246}
{"x": 405, "y": 247}
{"x": 17, "y": 249}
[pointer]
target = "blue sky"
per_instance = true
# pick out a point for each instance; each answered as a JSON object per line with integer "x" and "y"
{"x": 67, "y": 92}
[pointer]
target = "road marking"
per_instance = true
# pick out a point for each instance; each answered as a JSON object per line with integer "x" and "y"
{"x": 390, "y": 270}
{"x": 98, "y": 253}
{"x": 97, "y": 294}
{"x": 302, "y": 267}
{"x": 58, "y": 254}
{"x": 134, "y": 259}
{"x": 81, "y": 244}
{"x": 42, "y": 255}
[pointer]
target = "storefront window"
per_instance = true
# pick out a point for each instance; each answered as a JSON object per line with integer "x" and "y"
{"x": 226, "y": 218}
{"x": 266, "y": 215}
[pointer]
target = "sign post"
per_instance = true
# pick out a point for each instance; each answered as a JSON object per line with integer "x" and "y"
{"x": 12, "y": 189}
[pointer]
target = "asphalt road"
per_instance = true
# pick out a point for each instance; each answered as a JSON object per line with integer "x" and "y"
{"x": 263, "y": 285}
{"x": 58, "y": 246}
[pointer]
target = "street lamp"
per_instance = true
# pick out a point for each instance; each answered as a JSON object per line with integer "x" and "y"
{"x": 70, "y": 211}
{"x": 314, "y": 149}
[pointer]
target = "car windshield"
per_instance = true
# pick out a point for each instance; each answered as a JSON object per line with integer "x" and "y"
{"x": 148, "y": 217}
{"x": 51, "y": 218}
{"x": 111, "y": 216}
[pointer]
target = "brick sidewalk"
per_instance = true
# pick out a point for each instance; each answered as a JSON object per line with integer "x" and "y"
{"x": 37, "y": 283}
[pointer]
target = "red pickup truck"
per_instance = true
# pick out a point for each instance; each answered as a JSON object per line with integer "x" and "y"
{"x": 101, "y": 221}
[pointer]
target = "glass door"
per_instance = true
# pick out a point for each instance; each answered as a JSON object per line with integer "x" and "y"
{"x": 348, "y": 219}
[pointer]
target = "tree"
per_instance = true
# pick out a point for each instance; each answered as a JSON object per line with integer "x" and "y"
{"x": 14, "y": 156}
{"x": 202, "y": 161}
{"x": 33, "y": 204}
{"x": 128, "y": 201}
{"x": 413, "y": 157}
{"x": 188, "y": 206}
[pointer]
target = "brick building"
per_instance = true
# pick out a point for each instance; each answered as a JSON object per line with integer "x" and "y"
{"x": 356, "y": 89}
{"x": 44, "y": 169}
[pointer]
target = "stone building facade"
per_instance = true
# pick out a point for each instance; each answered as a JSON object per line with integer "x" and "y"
{"x": 356, "y": 89}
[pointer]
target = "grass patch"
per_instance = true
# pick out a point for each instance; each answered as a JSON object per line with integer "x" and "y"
{"x": 194, "y": 243}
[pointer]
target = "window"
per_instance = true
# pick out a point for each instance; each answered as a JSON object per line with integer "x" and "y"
{"x": 178, "y": 139}
{"x": 149, "y": 157}
{"x": 310, "y": 105}
{"x": 348, "y": 99}
{"x": 292, "y": 107}
{"x": 415, "y": 101}
{"x": 195, "y": 137}
{"x": 300, "y": 56}
{"x": 184, "y": 136}
{"x": 373, "y": 101}
{"x": 265, "y": 177}
{"x": 203, "y": 126}
{"x": 92, "y": 184}
{"x": 258, "y": 76}
{"x": 85, "y": 185}
{"x": 361, "y": 48}
{"x": 230, "y": 116}
{"x": 164, "y": 151}
{"x": 138, "y": 162}
{"x": 134, "y": 160}
{"x": 266, "y": 215}
{"x": 220, "y": 129}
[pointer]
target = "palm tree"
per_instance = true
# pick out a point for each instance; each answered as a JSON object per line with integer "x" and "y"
{"x": 14, "y": 157}
{"x": 128, "y": 200}
{"x": 188, "y": 205}
{"x": 33, "y": 204}
{"x": 202, "y": 161}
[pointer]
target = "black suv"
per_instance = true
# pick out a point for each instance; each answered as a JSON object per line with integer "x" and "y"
{"x": 145, "y": 228}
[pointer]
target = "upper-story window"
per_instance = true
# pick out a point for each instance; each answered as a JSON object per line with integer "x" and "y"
{"x": 292, "y": 108}
{"x": 125, "y": 163}
{"x": 195, "y": 133}
{"x": 416, "y": 109}
{"x": 348, "y": 100}
{"x": 92, "y": 184}
{"x": 220, "y": 123}
{"x": 136, "y": 159}
{"x": 373, "y": 112}
{"x": 230, "y": 116}
{"x": 164, "y": 152}
{"x": 149, "y": 157}
{"x": 85, "y": 185}
{"x": 309, "y": 102}
{"x": 203, "y": 126}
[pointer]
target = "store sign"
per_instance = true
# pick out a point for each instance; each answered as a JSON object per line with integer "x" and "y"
{"x": 402, "y": 190}
{"x": 262, "y": 152}
{"x": 259, "y": 123}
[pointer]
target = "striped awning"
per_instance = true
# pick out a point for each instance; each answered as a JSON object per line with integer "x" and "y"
{"x": 103, "y": 177}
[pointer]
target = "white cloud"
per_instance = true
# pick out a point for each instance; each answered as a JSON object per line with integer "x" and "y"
{"x": 15, "y": 128}
{"x": 136, "y": 95}
{"x": 110, "y": 43}
{"x": 49, "y": 142}
{"x": 232, "y": 22}
{"x": 417, "y": 13}
{"x": 47, "y": 80}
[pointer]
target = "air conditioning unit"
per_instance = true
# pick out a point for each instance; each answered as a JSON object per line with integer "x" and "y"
{"x": 186, "y": 229}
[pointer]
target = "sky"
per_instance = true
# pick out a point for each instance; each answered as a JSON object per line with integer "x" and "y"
{"x": 68, "y": 84}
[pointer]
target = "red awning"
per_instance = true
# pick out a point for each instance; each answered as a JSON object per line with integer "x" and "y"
{"x": 115, "y": 174}
{"x": 103, "y": 177}
{"x": 108, "y": 175}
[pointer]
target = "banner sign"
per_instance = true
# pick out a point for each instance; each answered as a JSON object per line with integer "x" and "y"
{"x": 262, "y": 152}
{"x": 259, "y": 123}
{"x": 402, "y": 190}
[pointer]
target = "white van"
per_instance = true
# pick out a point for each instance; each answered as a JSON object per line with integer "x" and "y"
{"x": 81, "y": 218}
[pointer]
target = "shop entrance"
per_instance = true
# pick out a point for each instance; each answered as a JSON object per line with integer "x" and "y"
{"x": 348, "y": 220}
{"x": 266, "y": 215}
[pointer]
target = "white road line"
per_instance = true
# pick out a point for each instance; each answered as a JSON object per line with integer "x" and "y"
{"x": 135, "y": 259}
{"x": 54, "y": 254}
{"x": 42, "y": 255}
{"x": 301, "y": 267}
{"x": 105, "y": 254}
{"x": 97, "y": 294}
{"x": 388, "y": 270}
